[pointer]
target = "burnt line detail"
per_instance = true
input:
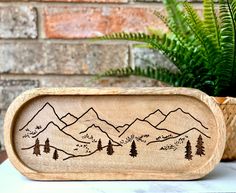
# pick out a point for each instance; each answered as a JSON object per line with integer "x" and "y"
{"x": 51, "y": 122}
{"x": 51, "y": 146}
{"x": 104, "y": 119}
{"x": 47, "y": 103}
{"x": 92, "y": 116}
{"x": 121, "y": 126}
{"x": 184, "y": 113}
{"x": 158, "y": 110}
{"x": 128, "y": 125}
{"x": 68, "y": 114}
{"x": 85, "y": 155}
{"x": 101, "y": 131}
{"x": 166, "y": 115}
{"x": 91, "y": 108}
{"x": 137, "y": 119}
{"x": 157, "y": 141}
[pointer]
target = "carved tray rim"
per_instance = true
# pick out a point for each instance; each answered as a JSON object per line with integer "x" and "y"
{"x": 34, "y": 93}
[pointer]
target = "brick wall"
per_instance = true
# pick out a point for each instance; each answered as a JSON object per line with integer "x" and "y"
{"x": 43, "y": 44}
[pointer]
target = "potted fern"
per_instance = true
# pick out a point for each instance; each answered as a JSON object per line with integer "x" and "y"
{"x": 203, "y": 50}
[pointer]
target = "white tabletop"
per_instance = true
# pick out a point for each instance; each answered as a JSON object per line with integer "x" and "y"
{"x": 222, "y": 179}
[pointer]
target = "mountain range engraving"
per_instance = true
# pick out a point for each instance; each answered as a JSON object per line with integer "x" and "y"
{"x": 71, "y": 136}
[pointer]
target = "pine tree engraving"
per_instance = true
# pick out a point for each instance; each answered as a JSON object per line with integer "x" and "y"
{"x": 110, "y": 150}
{"x": 99, "y": 147}
{"x": 200, "y": 148}
{"x": 133, "y": 151}
{"x": 46, "y": 146}
{"x": 37, "y": 148}
{"x": 55, "y": 155}
{"x": 188, "y": 152}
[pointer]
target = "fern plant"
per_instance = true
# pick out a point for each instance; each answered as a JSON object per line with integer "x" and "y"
{"x": 203, "y": 49}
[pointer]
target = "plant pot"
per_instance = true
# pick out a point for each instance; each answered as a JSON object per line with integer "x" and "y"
{"x": 228, "y": 106}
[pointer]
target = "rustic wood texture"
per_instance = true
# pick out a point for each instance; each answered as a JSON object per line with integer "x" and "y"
{"x": 228, "y": 106}
{"x": 114, "y": 133}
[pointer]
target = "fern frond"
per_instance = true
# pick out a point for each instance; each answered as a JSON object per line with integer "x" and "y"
{"x": 197, "y": 27}
{"x": 211, "y": 22}
{"x": 226, "y": 70}
{"x": 194, "y": 22}
{"x": 186, "y": 78}
{"x": 160, "y": 74}
{"x": 233, "y": 5}
{"x": 176, "y": 17}
{"x": 153, "y": 39}
{"x": 204, "y": 51}
{"x": 172, "y": 30}
{"x": 163, "y": 42}
{"x": 139, "y": 37}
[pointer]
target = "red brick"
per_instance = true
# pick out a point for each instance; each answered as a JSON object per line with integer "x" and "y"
{"x": 85, "y": 22}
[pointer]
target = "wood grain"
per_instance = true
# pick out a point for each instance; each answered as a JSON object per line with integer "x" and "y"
{"x": 114, "y": 133}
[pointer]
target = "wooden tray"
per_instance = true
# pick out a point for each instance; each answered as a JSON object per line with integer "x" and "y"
{"x": 114, "y": 134}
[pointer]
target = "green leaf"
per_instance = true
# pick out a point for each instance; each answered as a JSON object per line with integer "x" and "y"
{"x": 226, "y": 70}
{"x": 211, "y": 22}
{"x": 203, "y": 50}
{"x": 176, "y": 17}
{"x": 160, "y": 74}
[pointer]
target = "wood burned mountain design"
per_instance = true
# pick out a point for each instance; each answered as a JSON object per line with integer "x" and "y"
{"x": 114, "y": 133}
{"x": 86, "y": 131}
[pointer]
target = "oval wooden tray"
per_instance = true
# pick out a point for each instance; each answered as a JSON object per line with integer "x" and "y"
{"x": 114, "y": 134}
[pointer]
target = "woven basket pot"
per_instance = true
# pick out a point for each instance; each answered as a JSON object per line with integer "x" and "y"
{"x": 228, "y": 106}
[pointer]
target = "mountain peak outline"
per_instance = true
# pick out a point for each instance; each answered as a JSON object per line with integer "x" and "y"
{"x": 192, "y": 132}
{"x": 89, "y": 127}
{"x": 179, "y": 121}
{"x": 91, "y": 117}
{"x": 44, "y": 115}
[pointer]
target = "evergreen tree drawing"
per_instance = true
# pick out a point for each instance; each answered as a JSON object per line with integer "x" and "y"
{"x": 99, "y": 147}
{"x": 37, "y": 148}
{"x": 133, "y": 151}
{"x": 110, "y": 150}
{"x": 46, "y": 146}
{"x": 200, "y": 148}
{"x": 188, "y": 152}
{"x": 55, "y": 155}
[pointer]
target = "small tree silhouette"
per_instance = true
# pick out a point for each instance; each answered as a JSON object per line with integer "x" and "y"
{"x": 55, "y": 155}
{"x": 188, "y": 152}
{"x": 37, "y": 148}
{"x": 46, "y": 146}
{"x": 99, "y": 147}
{"x": 200, "y": 148}
{"x": 110, "y": 150}
{"x": 133, "y": 151}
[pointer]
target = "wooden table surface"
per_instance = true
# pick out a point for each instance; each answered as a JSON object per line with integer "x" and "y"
{"x": 221, "y": 180}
